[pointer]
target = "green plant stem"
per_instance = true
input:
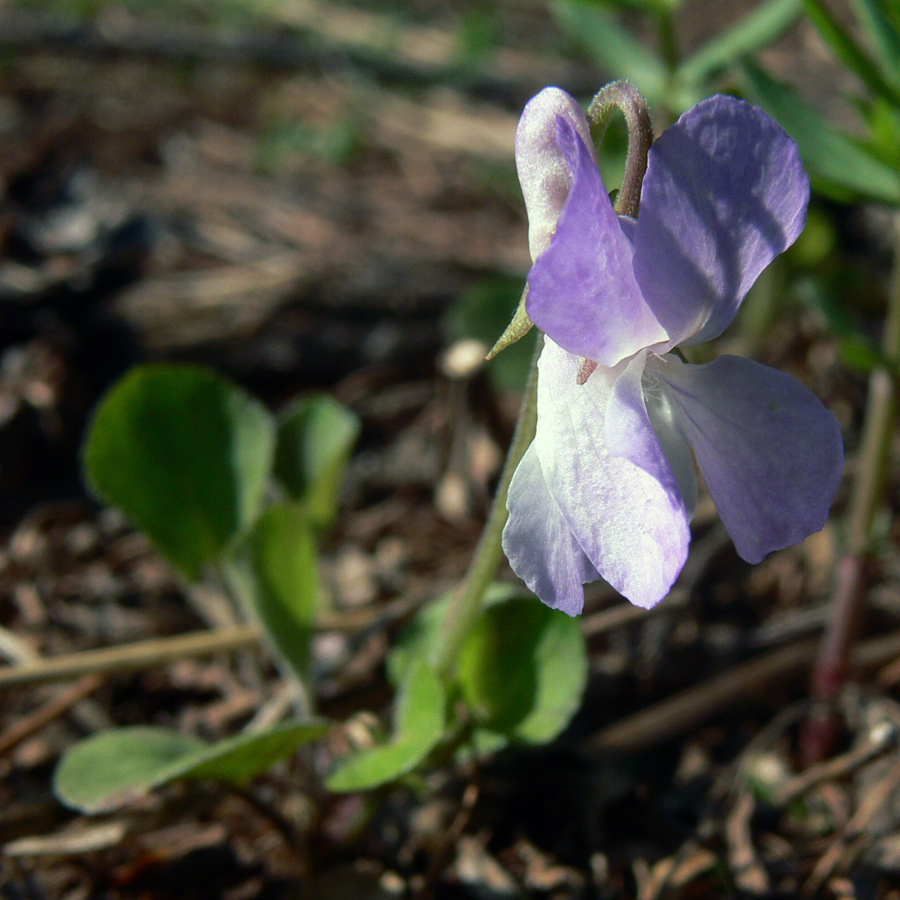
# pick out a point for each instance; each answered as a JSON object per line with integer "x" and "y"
{"x": 466, "y": 603}
{"x": 853, "y": 569}
{"x": 302, "y": 697}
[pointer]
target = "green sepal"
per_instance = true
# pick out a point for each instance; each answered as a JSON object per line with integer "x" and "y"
{"x": 520, "y": 325}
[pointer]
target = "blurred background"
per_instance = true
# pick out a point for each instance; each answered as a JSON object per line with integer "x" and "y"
{"x": 321, "y": 195}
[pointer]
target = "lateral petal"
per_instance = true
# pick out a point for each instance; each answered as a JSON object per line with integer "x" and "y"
{"x": 725, "y": 192}
{"x": 538, "y": 543}
{"x": 770, "y": 452}
{"x": 628, "y": 518}
{"x": 637, "y": 407}
{"x": 581, "y": 289}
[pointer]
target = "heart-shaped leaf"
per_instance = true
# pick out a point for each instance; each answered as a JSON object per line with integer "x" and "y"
{"x": 523, "y": 669}
{"x": 185, "y": 454}
{"x": 422, "y": 637}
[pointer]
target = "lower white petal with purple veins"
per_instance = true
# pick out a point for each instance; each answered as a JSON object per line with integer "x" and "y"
{"x": 540, "y": 546}
{"x": 628, "y": 518}
{"x": 770, "y": 452}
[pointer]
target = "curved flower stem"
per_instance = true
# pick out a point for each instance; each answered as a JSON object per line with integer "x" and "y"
{"x": 466, "y": 603}
{"x": 623, "y": 95}
{"x": 853, "y": 571}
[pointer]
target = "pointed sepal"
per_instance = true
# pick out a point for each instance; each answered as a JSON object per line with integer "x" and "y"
{"x": 520, "y": 325}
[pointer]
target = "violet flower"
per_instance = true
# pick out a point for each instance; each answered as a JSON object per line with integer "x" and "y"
{"x": 608, "y": 485}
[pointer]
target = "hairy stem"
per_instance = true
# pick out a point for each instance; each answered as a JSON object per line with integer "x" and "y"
{"x": 624, "y": 96}
{"x": 853, "y": 570}
{"x": 466, "y": 603}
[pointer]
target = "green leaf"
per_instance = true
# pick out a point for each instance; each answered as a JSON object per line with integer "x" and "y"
{"x": 275, "y": 570}
{"x": 238, "y": 759}
{"x": 860, "y": 354}
{"x": 754, "y": 31}
{"x": 419, "y": 726}
{"x": 523, "y": 670}
{"x": 849, "y": 52}
{"x": 647, "y": 7}
{"x": 109, "y": 769}
{"x": 882, "y": 35}
{"x": 482, "y": 743}
{"x": 315, "y": 438}
{"x": 421, "y": 638}
{"x": 838, "y": 165}
{"x": 612, "y": 47}
{"x": 186, "y": 455}
{"x": 883, "y": 119}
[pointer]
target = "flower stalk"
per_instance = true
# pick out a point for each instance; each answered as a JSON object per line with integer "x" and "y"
{"x": 624, "y": 96}
{"x": 465, "y": 605}
{"x": 855, "y": 566}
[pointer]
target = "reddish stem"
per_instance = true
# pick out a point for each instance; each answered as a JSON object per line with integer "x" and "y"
{"x": 853, "y": 574}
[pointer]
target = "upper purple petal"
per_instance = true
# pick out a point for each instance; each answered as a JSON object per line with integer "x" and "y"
{"x": 581, "y": 289}
{"x": 543, "y": 171}
{"x": 725, "y": 192}
{"x": 627, "y": 516}
{"x": 770, "y": 452}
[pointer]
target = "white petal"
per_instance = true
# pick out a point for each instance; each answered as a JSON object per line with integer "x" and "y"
{"x": 538, "y": 543}
{"x": 628, "y": 517}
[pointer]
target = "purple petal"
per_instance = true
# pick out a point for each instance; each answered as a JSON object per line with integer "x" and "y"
{"x": 543, "y": 171}
{"x": 770, "y": 452}
{"x": 629, "y": 519}
{"x": 538, "y": 543}
{"x": 725, "y": 192}
{"x": 581, "y": 290}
